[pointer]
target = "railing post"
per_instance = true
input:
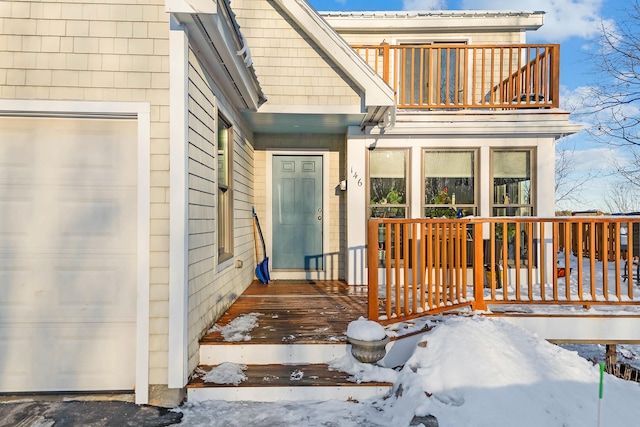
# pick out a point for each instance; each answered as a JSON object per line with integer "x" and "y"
{"x": 385, "y": 62}
{"x": 555, "y": 78}
{"x": 372, "y": 272}
{"x": 478, "y": 268}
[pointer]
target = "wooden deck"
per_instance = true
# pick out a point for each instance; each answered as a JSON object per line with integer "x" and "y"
{"x": 296, "y": 312}
{"x": 301, "y": 327}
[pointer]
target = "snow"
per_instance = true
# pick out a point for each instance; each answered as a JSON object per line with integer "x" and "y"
{"x": 466, "y": 371}
{"x": 238, "y": 329}
{"x": 226, "y": 373}
{"x": 365, "y": 330}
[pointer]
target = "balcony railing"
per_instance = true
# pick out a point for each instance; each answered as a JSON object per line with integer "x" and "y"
{"x": 456, "y": 76}
{"x": 428, "y": 266}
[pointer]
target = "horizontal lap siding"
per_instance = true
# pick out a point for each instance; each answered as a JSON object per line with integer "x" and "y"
{"x": 292, "y": 69}
{"x": 212, "y": 289}
{"x": 102, "y": 51}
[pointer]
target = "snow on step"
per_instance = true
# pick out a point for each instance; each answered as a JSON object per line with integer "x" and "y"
{"x": 269, "y": 383}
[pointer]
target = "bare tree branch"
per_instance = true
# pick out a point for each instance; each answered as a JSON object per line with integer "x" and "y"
{"x": 569, "y": 185}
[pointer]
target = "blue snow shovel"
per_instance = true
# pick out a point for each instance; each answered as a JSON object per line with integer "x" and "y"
{"x": 262, "y": 269}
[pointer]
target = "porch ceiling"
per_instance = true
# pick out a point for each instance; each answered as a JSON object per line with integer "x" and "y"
{"x": 318, "y": 123}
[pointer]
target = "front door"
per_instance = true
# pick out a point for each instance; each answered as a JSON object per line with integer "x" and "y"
{"x": 297, "y": 213}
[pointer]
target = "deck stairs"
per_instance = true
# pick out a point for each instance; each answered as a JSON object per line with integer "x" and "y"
{"x": 300, "y": 329}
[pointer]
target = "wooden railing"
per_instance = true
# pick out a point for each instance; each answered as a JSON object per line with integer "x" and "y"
{"x": 428, "y": 266}
{"x": 456, "y": 76}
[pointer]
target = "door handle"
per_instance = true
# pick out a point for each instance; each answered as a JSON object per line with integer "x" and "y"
{"x": 319, "y": 218}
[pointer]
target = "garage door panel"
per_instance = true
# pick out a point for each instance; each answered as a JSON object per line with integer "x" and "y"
{"x": 68, "y": 254}
{"x": 99, "y": 353}
{"x": 79, "y": 288}
{"x": 95, "y": 291}
{"x": 17, "y": 287}
{"x": 17, "y": 209}
{"x": 15, "y": 352}
{"x": 102, "y": 220}
{"x": 92, "y": 356}
{"x": 16, "y": 154}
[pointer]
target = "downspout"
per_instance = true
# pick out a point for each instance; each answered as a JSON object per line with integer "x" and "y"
{"x": 389, "y": 119}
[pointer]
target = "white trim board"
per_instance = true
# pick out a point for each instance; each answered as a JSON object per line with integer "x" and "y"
{"x": 141, "y": 112}
{"x": 178, "y": 357}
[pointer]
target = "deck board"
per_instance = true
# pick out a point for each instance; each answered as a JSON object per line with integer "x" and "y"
{"x": 296, "y": 311}
{"x": 313, "y": 375}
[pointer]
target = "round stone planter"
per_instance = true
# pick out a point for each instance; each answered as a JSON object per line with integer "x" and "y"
{"x": 368, "y": 351}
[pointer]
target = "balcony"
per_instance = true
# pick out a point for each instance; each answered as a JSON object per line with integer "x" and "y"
{"x": 460, "y": 77}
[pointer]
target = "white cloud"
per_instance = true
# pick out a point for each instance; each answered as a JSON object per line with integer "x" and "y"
{"x": 424, "y": 4}
{"x": 563, "y": 19}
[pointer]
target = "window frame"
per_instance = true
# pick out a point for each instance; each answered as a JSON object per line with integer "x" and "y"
{"x": 510, "y": 208}
{"x": 470, "y": 208}
{"x": 224, "y": 197}
{"x": 406, "y": 205}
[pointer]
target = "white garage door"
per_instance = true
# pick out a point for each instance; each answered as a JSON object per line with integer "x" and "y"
{"x": 67, "y": 254}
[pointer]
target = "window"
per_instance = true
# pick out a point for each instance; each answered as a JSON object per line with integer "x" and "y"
{"x": 388, "y": 183}
{"x": 225, "y": 199}
{"x": 512, "y": 182}
{"x": 449, "y": 178}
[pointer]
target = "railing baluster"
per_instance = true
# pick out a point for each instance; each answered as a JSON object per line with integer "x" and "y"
{"x": 579, "y": 254}
{"x": 555, "y": 260}
{"x": 630, "y": 254}
{"x": 405, "y": 266}
{"x": 592, "y": 259}
{"x": 605, "y": 261}
{"x": 616, "y": 258}
{"x": 567, "y": 262}
{"x": 436, "y": 265}
{"x": 414, "y": 268}
{"x": 372, "y": 276}
{"x": 516, "y": 261}
{"x": 542, "y": 261}
{"x": 430, "y": 263}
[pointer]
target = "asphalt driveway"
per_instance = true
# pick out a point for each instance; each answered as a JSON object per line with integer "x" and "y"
{"x": 84, "y": 413}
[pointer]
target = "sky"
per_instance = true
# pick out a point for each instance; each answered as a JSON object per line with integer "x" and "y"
{"x": 469, "y": 371}
{"x": 572, "y": 23}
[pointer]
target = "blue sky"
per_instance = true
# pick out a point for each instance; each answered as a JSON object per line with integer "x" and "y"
{"x": 572, "y": 23}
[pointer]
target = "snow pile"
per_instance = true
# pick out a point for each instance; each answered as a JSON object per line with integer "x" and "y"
{"x": 365, "y": 330}
{"x": 226, "y": 373}
{"x": 485, "y": 372}
{"x": 363, "y": 372}
{"x": 472, "y": 372}
{"x": 238, "y": 329}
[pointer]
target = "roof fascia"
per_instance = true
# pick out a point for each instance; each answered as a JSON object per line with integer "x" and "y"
{"x": 376, "y": 92}
{"x": 214, "y": 31}
{"x": 430, "y": 22}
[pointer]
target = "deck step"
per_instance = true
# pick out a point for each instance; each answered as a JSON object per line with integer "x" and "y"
{"x": 250, "y": 353}
{"x": 272, "y": 382}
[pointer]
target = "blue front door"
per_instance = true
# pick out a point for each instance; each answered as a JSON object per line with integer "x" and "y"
{"x": 297, "y": 213}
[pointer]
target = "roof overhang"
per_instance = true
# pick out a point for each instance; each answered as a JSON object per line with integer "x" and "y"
{"x": 213, "y": 31}
{"x": 541, "y": 123}
{"x": 434, "y": 21}
{"x": 378, "y": 99}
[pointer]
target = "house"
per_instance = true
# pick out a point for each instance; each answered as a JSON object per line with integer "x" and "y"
{"x": 137, "y": 136}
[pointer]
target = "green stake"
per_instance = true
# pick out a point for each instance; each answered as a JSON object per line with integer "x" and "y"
{"x": 601, "y": 377}
{"x": 601, "y": 390}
